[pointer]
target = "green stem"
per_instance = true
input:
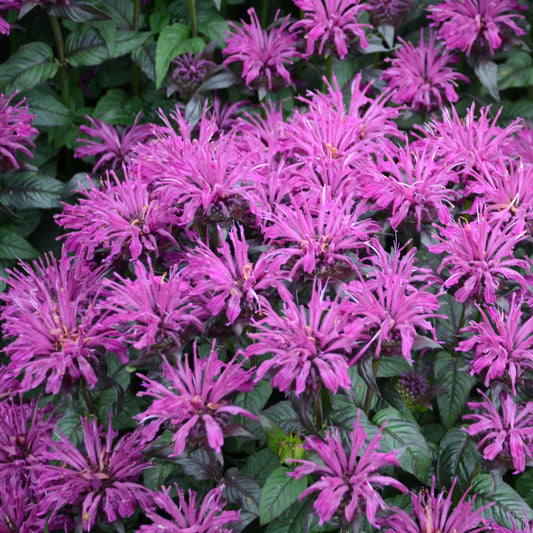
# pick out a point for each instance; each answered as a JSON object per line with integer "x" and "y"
{"x": 369, "y": 392}
{"x": 134, "y": 67}
{"x": 329, "y": 68}
{"x": 61, "y": 56}
{"x": 192, "y": 10}
{"x": 319, "y": 412}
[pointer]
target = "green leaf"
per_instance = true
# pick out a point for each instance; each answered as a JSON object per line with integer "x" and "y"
{"x": 392, "y": 366}
{"x": 506, "y": 502}
{"x": 122, "y": 12}
{"x": 70, "y": 424}
{"x": 166, "y": 50}
{"x": 14, "y": 246}
{"x": 87, "y": 47}
{"x": 255, "y": 400}
{"x": 48, "y": 109}
{"x": 260, "y": 465}
{"x": 292, "y": 520}
{"x": 458, "y": 457}
{"x": 487, "y": 72}
{"x": 242, "y": 490}
{"x": 26, "y": 222}
{"x": 155, "y": 476}
{"x": 406, "y": 438}
{"x": 279, "y": 493}
{"x": 517, "y": 71}
{"x": 116, "y": 108}
{"x": 78, "y": 11}
{"x": 28, "y": 67}
{"x": 108, "y": 31}
{"x": 213, "y": 29}
{"x": 27, "y": 190}
{"x": 452, "y": 373}
{"x": 144, "y": 58}
{"x": 524, "y": 485}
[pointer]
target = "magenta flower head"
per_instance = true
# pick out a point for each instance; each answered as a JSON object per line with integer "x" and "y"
{"x": 25, "y": 437}
{"x": 153, "y": 311}
{"x": 54, "y": 330}
{"x": 479, "y": 256}
{"x": 120, "y": 220}
{"x": 476, "y": 25}
{"x": 504, "y": 431}
{"x": 391, "y": 12}
{"x": 15, "y": 5}
{"x": 412, "y": 184}
{"x": 113, "y": 145}
{"x": 265, "y": 55}
{"x": 348, "y": 482}
{"x": 189, "y": 516}
{"x": 307, "y": 343}
{"x": 331, "y": 25}
{"x": 422, "y": 76}
{"x": 15, "y": 131}
{"x": 390, "y": 303}
{"x": 196, "y": 404}
{"x": 227, "y": 281}
{"x": 433, "y": 513}
{"x": 102, "y": 480}
{"x": 502, "y": 342}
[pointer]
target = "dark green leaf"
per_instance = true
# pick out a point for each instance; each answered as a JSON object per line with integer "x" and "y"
{"x": 116, "y": 108}
{"x": 197, "y": 464}
{"x": 144, "y": 58}
{"x": 155, "y": 476}
{"x": 458, "y": 457}
{"x": 213, "y": 29}
{"x": 78, "y": 11}
{"x": 392, "y": 366}
{"x": 260, "y": 465}
{"x": 28, "y": 190}
{"x": 14, "y": 246}
{"x": 122, "y": 12}
{"x": 255, "y": 400}
{"x": 48, "y": 109}
{"x": 406, "y": 438}
{"x": 222, "y": 80}
{"x": 452, "y": 373}
{"x": 279, "y": 493}
{"x": 505, "y": 501}
{"x": 487, "y": 72}
{"x": 87, "y": 47}
{"x": 517, "y": 71}
{"x": 166, "y": 50}
{"x": 242, "y": 490}
{"x": 26, "y": 222}
{"x": 291, "y": 520}
{"x": 448, "y": 328}
{"x": 28, "y": 67}
{"x": 524, "y": 485}
{"x": 108, "y": 31}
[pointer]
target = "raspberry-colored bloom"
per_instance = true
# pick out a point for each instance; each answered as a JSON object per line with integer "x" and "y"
{"x": 153, "y": 310}
{"x": 102, "y": 480}
{"x": 190, "y": 516}
{"x": 505, "y": 432}
{"x": 308, "y": 345}
{"x": 435, "y": 513}
{"x": 348, "y": 482}
{"x": 113, "y": 145}
{"x": 196, "y": 404}
{"x": 502, "y": 342}
{"x": 189, "y": 72}
{"x": 479, "y": 256}
{"x": 390, "y": 303}
{"x": 474, "y": 25}
{"x": 331, "y": 25}
{"x": 120, "y": 220}
{"x": 54, "y": 330}
{"x": 227, "y": 280}
{"x": 412, "y": 183}
{"x": 422, "y": 76}
{"x": 25, "y": 437}
{"x": 265, "y": 55}
{"x": 15, "y": 131}
{"x": 4, "y": 6}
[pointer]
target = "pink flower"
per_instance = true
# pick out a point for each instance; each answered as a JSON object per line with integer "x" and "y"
{"x": 421, "y": 76}
{"x": 117, "y": 143}
{"x": 4, "y": 6}
{"x": 479, "y": 255}
{"x": 15, "y": 131}
{"x": 476, "y": 24}
{"x": 502, "y": 344}
{"x": 122, "y": 219}
{"x": 103, "y": 479}
{"x": 509, "y": 435}
{"x": 392, "y": 12}
{"x": 331, "y": 25}
{"x": 265, "y": 55}
{"x": 189, "y": 72}
{"x": 432, "y": 513}
{"x": 196, "y": 404}
{"x": 55, "y": 331}
{"x": 190, "y": 516}
{"x": 308, "y": 345}
{"x": 347, "y": 482}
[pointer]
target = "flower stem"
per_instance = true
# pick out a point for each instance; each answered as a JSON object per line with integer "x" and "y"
{"x": 319, "y": 412}
{"x": 60, "y": 45}
{"x": 329, "y": 68}
{"x": 192, "y": 10}
{"x": 134, "y": 67}
{"x": 369, "y": 392}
